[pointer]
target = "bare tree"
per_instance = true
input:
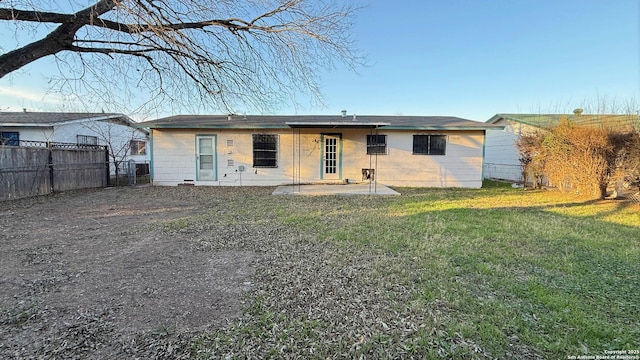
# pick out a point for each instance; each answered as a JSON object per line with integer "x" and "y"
{"x": 116, "y": 135}
{"x": 222, "y": 53}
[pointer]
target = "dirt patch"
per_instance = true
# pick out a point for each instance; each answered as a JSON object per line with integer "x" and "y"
{"x": 100, "y": 264}
{"x": 209, "y": 272}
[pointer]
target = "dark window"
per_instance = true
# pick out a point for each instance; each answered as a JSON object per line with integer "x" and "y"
{"x": 429, "y": 144}
{"x": 376, "y": 144}
{"x": 87, "y": 140}
{"x": 138, "y": 147}
{"x": 142, "y": 169}
{"x": 10, "y": 138}
{"x": 265, "y": 150}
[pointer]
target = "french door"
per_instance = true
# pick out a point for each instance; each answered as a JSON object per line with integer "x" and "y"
{"x": 331, "y": 159}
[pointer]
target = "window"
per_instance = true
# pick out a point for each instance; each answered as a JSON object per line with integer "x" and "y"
{"x": 138, "y": 147}
{"x": 429, "y": 144}
{"x": 376, "y": 144}
{"x": 87, "y": 140}
{"x": 265, "y": 150}
{"x": 10, "y": 138}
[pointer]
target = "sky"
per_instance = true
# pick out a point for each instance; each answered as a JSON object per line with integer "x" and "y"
{"x": 466, "y": 58}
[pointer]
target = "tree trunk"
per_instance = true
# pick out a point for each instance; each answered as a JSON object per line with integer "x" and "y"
{"x": 58, "y": 40}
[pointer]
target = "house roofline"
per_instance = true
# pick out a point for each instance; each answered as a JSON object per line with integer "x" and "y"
{"x": 336, "y": 124}
{"x": 208, "y": 126}
{"x": 125, "y": 118}
{"x": 316, "y": 121}
{"x": 497, "y": 117}
{"x": 40, "y": 125}
{"x": 320, "y": 126}
{"x": 65, "y": 122}
{"x": 51, "y": 124}
{"x": 442, "y": 128}
{"x": 624, "y": 120}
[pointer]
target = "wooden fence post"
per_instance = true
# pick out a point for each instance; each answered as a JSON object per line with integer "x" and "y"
{"x": 107, "y": 169}
{"x": 50, "y": 165}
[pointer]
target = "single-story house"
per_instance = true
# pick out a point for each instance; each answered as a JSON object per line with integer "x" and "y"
{"x": 228, "y": 150}
{"x": 502, "y": 158}
{"x": 116, "y": 131}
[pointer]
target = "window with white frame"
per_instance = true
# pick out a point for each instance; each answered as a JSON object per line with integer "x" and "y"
{"x": 265, "y": 150}
{"x": 429, "y": 144}
{"x": 376, "y": 144}
{"x": 138, "y": 147}
{"x": 87, "y": 140}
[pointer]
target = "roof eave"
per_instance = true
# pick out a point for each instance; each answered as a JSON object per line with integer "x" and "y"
{"x": 40, "y": 125}
{"x": 443, "y": 128}
{"x": 207, "y": 126}
{"x": 495, "y": 118}
{"x": 320, "y": 126}
{"x": 336, "y": 124}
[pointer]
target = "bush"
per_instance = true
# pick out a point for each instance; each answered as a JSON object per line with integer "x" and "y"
{"x": 580, "y": 159}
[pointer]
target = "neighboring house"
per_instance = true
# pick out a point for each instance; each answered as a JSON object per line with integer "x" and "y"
{"x": 502, "y": 158}
{"x": 426, "y": 151}
{"x": 116, "y": 131}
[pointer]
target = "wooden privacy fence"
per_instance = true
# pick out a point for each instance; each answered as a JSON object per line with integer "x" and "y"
{"x": 38, "y": 168}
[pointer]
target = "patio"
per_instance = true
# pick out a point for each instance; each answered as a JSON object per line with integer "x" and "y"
{"x": 346, "y": 189}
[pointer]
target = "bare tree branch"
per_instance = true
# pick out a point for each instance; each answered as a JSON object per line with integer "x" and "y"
{"x": 251, "y": 53}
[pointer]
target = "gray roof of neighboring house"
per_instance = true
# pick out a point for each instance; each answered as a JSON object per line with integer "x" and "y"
{"x": 39, "y": 119}
{"x": 316, "y": 121}
{"x": 28, "y": 117}
{"x": 613, "y": 121}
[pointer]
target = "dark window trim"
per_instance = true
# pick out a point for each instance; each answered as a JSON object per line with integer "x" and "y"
{"x": 10, "y": 138}
{"x": 430, "y": 147}
{"x": 375, "y": 146}
{"x": 265, "y": 150}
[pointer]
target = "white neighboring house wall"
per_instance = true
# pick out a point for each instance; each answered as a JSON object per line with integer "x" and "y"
{"x": 502, "y": 157}
{"x": 109, "y": 130}
{"x": 43, "y": 133}
{"x": 116, "y": 136}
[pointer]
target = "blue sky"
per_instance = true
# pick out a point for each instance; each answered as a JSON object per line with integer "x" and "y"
{"x": 477, "y": 58}
{"x": 466, "y": 58}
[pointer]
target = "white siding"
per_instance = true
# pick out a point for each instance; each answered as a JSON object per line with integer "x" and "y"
{"x": 117, "y": 134}
{"x": 32, "y": 134}
{"x": 502, "y": 159}
{"x": 461, "y": 166}
{"x": 174, "y": 158}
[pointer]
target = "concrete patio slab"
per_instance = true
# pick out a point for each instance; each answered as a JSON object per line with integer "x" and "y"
{"x": 349, "y": 189}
